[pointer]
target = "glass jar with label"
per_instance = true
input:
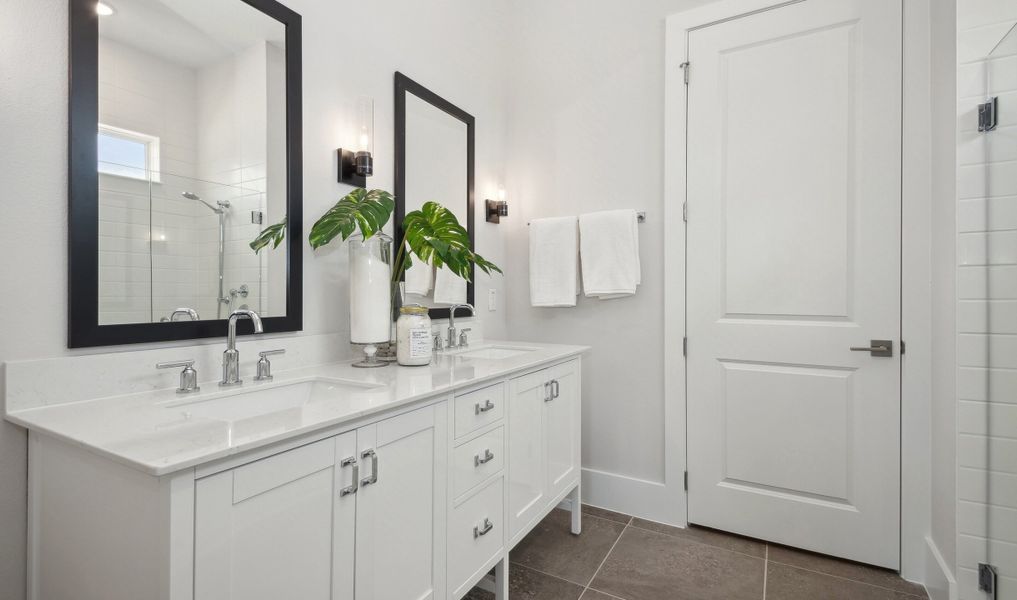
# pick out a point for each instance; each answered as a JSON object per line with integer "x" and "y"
{"x": 413, "y": 336}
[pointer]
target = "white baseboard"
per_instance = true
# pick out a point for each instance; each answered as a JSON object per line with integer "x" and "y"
{"x": 637, "y": 497}
{"x": 939, "y": 578}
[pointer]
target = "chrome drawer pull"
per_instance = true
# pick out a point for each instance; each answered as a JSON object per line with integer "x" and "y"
{"x": 478, "y": 531}
{"x": 488, "y": 405}
{"x": 374, "y": 467}
{"x": 554, "y": 388}
{"x": 478, "y": 460}
{"x": 351, "y": 489}
{"x": 548, "y": 396}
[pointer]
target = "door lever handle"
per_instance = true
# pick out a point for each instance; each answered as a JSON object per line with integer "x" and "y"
{"x": 882, "y": 348}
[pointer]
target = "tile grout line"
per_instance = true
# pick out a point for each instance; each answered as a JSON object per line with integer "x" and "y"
{"x": 766, "y": 567}
{"x": 601, "y": 565}
{"x": 843, "y": 578}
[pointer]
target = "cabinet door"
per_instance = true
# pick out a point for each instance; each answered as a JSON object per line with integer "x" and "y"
{"x": 527, "y": 473}
{"x": 265, "y": 530}
{"x": 401, "y": 507}
{"x": 562, "y": 415}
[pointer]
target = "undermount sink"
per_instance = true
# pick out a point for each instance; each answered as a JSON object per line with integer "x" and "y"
{"x": 248, "y": 403}
{"x": 493, "y": 352}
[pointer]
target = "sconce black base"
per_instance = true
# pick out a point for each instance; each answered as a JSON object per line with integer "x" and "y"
{"x": 496, "y": 209}
{"x": 348, "y": 169}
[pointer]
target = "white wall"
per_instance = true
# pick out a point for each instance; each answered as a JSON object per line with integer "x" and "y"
{"x": 455, "y": 47}
{"x": 587, "y": 134}
{"x": 986, "y": 300}
{"x": 941, "y": 558}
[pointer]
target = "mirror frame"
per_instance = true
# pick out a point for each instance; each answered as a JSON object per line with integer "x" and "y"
{"x": 83, "y": 328}
{"x": 403, "y": 86}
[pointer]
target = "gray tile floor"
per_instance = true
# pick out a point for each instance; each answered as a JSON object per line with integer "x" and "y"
{"x": 618, "y": 557}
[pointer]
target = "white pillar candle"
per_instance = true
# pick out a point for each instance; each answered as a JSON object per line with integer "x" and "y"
{"x": 370, "y": 294}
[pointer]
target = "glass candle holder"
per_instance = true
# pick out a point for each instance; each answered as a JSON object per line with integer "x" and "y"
{"x": 370, "y": 294}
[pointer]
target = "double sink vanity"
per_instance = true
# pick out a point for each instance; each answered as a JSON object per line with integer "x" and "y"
{"x": 323, "y": 482}
{"x": 297, "y": 476}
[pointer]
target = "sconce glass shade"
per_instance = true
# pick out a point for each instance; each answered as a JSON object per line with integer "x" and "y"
{"x": 365, "y": 136}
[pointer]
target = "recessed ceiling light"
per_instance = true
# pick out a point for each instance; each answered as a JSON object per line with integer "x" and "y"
{"x": 104, "y": 10}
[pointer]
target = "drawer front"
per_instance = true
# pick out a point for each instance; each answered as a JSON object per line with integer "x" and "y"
{"x": 479, "y": 408}
{"x": 477, "y": 460}
{"x": 475, "y": 536}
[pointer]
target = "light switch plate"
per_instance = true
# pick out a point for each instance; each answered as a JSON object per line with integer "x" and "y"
{"x": 492, "y": 300}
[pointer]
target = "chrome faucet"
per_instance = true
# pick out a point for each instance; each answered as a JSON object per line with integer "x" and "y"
{"x": 453, "y": 341}
{"x": 231, "y": 357}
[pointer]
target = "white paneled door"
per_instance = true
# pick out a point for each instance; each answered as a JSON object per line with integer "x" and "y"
{"x": 794, "y": 233}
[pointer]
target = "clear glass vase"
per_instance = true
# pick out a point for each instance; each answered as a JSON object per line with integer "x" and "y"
{"x": 370, "y": 294}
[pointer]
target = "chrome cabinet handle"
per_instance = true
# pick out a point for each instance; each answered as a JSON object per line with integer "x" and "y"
{"x": 480, "y": 460}
{"x": 882, "y": 348}
{"x": 554, "y": 388}
{"x": 548, "y": 396}
{"x": 479, "y": 531}
{"x": 488, "y": 405}
{"x": 351, "y": 489}
{"x": 374, "y": 467}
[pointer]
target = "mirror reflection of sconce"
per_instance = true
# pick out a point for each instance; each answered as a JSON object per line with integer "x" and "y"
{"x": 496, "y": 209}
{"x": 355, "y": 166}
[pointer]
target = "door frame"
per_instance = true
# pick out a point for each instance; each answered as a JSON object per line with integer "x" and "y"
{"x": 916, "y": 244}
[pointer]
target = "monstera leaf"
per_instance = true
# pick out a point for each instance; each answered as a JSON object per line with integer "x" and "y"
{"x": 360, "y": 209}
{"x": 434, "y": 236}
{"x": 273, "y": 234}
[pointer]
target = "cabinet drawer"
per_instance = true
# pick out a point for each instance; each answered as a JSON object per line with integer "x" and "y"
{"x": 477, "y": 460}
{"x": 475, "y": 537}
{"x": 481, "y": 407}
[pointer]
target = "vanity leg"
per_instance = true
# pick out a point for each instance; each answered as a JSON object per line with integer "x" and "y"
{"x": 501, "y": 579}
{"x": 577, "y": 510}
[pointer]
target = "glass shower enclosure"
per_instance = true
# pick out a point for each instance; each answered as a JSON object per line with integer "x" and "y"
{"x": 987, "y": 330}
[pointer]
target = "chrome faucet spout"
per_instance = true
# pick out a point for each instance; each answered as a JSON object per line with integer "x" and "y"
{"x": 231, "y": 357}
{"x": 453, "y": 341}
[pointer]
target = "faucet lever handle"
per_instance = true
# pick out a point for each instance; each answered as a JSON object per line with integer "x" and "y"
{"x": 188, "y": 377}
{"x": 176, "y": 363}
{"x": 265, "y": 365}
{"x": 464, "y": 340}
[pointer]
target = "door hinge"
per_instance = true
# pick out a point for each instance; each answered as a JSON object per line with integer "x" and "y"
{"x": 987, "y": 115}
{"x": 686, "y": 481}
{"x": 987, "y": 579}
{"x": 903, "y": 348}
{"x": 685, "y": 212}
{"x": 685, "y": 67}
{"x": 685, "y": 346}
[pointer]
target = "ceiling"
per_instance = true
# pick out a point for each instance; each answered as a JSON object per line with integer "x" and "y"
{"x": 192, "y": 33}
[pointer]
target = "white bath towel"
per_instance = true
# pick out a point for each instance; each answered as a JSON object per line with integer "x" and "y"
{"x": 449, "y": 288}
{"x": 553, "y": 262}
{"x": 419, "y": 278}
{"x": 609, "y": 247}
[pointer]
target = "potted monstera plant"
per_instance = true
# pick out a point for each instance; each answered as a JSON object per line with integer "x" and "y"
{"x": 431, "y": 235}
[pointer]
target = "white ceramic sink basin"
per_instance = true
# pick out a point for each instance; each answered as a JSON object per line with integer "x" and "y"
{"x": 493, "y": 352}
{"x": 248, "y": 403}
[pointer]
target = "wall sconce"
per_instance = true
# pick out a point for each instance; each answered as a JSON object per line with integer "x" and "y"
{"x": 496, "y": 209}
{"x": 355, "y": 166}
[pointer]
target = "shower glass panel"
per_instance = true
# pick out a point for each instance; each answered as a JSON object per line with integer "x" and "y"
{"x": 987, "y": 327}
{"x": 176, "y": 248}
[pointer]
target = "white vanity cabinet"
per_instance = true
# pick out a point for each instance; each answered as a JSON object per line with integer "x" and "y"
{"x": 416, "y": 501}
{"x": 334, "y": 519}
{"x": 544, "y": 445}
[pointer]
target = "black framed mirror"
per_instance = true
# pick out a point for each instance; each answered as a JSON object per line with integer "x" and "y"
{"x": 434, "y": 155}
{"x": 184, "y": 143}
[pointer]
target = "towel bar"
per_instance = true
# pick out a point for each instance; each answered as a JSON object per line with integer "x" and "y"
{"x": 640, "y": 217}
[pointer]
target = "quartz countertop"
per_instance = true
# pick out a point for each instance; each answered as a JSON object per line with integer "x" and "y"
{"x": 160, "y": 432}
